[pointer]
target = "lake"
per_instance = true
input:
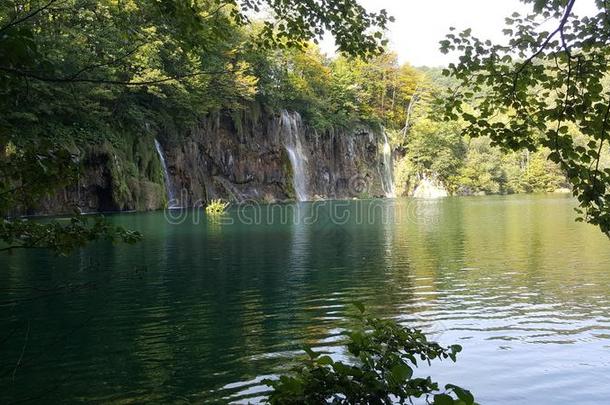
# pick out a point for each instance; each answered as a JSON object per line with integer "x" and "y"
{"x": 201, "y": 310}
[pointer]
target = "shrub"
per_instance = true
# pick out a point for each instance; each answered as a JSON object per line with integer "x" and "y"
{"x": 216, "y": 207}
{"x": 383, "y": 356}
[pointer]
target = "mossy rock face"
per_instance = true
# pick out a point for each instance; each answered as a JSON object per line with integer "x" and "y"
{"x": 289, "y": 173}
{"x": 124, "y": 174}
{"x": 137, "y": 175}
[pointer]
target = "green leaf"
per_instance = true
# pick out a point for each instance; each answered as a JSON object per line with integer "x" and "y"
{"x": 443, "y": 399}
{"x": 401, "y": 372}
{"x": 462, "y": 394}
{"x": 325, "y": 361}
{"x": 312, "y": 355}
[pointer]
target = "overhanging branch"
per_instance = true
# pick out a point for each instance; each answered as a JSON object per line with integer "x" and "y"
{"x": 558, "y": 30}
{"x": 26, "y": 17}
{"x": 75, "y": 79}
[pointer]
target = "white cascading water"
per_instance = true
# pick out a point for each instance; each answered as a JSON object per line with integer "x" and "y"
{"x": 430, "y": 188}
{"x": 387, "y": 169}
{"x": 171, "y": 197}
{"x": 291, "y": 133}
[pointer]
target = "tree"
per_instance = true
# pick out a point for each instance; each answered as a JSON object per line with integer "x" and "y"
{"x": 436, "y": 147}
{"x": 552, "y": 87}
{"x": 376, "y": 90}
{"x": 483, "y": 170}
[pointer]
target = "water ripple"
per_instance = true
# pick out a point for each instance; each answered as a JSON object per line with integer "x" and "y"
{"x": 202, "y": 313}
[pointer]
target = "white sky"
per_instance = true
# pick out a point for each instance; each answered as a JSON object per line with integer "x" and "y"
{"x": 421, "y": 24}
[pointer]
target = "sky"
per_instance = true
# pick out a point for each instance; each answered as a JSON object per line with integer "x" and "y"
{"x": 421, "y": 24}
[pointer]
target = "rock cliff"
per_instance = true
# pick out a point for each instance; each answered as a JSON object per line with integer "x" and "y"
{"x": 234, "y": 156}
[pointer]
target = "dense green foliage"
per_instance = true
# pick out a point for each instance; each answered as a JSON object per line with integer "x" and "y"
{"x": 543, "y": 87}
{"x": 335, "y": 92}
{"x": 383, "y": 355}
{"x": 464, "y": 163}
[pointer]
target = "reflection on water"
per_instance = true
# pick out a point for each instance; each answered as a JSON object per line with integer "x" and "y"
{"x": 205, "y": 311}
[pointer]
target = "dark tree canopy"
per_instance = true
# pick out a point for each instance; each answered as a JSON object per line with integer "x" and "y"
{"x": 34, "y": 34}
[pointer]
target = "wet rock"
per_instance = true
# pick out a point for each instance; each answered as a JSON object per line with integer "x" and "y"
{"x": 236, "y": 158}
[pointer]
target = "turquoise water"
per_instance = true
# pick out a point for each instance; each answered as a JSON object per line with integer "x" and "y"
{"x": 200, "y": 311}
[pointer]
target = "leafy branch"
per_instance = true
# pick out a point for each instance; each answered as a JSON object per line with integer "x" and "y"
{"x": 383, "y": 355}
{"x": 59, "y": 237}
{"x": 74, "y": 78}
{"x": 557, "y": 97}
{"x": 545, "y": 44}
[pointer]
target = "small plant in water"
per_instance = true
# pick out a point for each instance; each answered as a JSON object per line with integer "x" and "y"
{"x": 216, "y": 207}
{"x": 383, "y": 355}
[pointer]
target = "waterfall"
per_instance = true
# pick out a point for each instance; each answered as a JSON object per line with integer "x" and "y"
{"x": 386, "y": 169}
{"x": 291, "y": 131}
{"x": 171, "y": 197}
{"x": 430, "y": 188}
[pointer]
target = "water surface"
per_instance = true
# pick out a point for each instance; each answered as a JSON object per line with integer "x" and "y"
{"x": 201, "y": 311}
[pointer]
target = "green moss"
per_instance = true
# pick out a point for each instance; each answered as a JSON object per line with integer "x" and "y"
{"x": 287, "y": 168}
{"x": 136, "y": 174}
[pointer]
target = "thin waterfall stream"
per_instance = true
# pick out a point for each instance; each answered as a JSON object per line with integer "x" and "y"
{"x": 172, "y": 202}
